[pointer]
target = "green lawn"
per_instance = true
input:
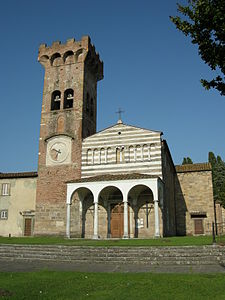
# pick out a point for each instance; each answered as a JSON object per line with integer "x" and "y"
{"x": 74, "y": 285}
{"x": 171, "y": 241}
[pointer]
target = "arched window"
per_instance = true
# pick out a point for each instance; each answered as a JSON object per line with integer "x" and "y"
{"x": 109, "y": 155}
{"x": 56, "y": 60}
{"x": 68, "y": 98}
{"x": 119, "y": 155}
{"x": 55, "y": 102}
{"x": 92, "y": 108}
{"x": 89, "y": 157}
{"x": 146, "y": 152}
{"x": 69, "y": 57}
{"x": 96, "y": 156}
{"x": 102, "y": 156}
{"x": 131, "y": 153}
{"x": 138, "y": 153}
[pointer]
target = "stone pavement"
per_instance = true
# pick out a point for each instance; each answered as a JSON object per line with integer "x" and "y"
{"x": 18, "y": 265}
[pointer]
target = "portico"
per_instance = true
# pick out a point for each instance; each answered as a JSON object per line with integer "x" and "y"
{"x": 138, "y": 198}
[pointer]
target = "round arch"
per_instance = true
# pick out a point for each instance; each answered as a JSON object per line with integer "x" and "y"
{"x": 141, "y": 199}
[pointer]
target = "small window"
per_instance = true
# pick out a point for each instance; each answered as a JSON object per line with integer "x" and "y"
{"x": 5, "y": 189}
{"x": 56, "y": 98}
{"x": 68, "y": 99}
{"x": 3, "y": 214}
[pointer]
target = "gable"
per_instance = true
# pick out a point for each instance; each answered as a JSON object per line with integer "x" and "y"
{"x": 121, "y": 133}
{"x": 122, "y": 149}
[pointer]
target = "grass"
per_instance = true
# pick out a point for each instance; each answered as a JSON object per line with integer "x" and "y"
{"x": 170, "y": 241}
{"x": 74, "y": 285}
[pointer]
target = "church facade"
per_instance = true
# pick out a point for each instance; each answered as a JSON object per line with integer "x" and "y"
{"x": 120, "y": 182}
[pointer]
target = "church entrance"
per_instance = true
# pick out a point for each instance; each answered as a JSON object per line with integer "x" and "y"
{"x": 117, "y": 221}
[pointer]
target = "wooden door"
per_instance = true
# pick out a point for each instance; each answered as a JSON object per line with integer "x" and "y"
{"x": 27, "y": 227}
{"x": 117, "y": 221}
{"x": 199, "y": 226}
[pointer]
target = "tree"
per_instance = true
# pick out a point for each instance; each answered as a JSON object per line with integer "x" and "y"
{"x": 187, "y": 160}
{"x": 218, "y": 176}
{"x": 205, "y": 23}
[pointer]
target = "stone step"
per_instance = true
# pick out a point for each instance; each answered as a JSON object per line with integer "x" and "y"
{"x": 117, "y": 260}
{"x": 107, "y": 256}
{"x": 127, "y": 255}
{"x": 190, "y": 262}
{"x": 121, "y": 250}
{"x": 118, "y": 255}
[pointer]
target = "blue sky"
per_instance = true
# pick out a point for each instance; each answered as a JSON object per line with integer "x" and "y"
{"x": 151, "y": 70}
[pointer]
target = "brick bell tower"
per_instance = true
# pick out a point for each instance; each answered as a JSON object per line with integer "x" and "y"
{"x": 68, "y": 115}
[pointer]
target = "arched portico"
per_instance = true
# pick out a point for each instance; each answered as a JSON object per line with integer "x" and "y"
{"x": 141, "y": 199}
{"x": 130, "y": 186}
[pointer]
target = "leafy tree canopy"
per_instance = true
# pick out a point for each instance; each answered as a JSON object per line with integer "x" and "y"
{"x": 218, "y": 174}
{"x": 187, "y": 160}
{"x": 205, "y": 23}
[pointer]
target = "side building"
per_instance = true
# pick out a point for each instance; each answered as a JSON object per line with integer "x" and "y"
{"x": 17, "y": 203}
{"x": 194, "y": 199}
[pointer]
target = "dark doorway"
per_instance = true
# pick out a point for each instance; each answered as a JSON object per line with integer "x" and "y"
{"x": 199, "y": 226}
{"x": 27, "y": 227}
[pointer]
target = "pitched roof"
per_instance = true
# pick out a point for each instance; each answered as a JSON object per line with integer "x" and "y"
{"x": 109, "y": 177}
{"x": 18, "y": 175}
{"x": 121, "y": 126}
{"x": 193, "y": 167}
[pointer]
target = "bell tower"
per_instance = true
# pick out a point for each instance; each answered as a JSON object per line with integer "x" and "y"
{"x": 68, "y": 115}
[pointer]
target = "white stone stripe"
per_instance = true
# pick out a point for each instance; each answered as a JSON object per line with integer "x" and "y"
{"x": 102, "y": 171}
{"x": 128, "y": 164}
{"x": 137, "y": 140}
{"x": 91, "y": 174}
{"x": 122, "y": 136}
{"x": 125, "y": 131}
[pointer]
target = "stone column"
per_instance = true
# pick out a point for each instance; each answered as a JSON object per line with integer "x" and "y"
{"x": 109, "y": 221}
{"x": 95, "y": 236}
{"x": 156, "y": 208}
{"x": 125, "y": 214}
{"x": 68, "y": 221}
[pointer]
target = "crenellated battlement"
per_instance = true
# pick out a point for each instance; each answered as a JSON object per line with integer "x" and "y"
{"x": 71, "y": 52}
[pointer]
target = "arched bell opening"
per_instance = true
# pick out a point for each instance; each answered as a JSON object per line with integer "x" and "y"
{"x": 141, "y": 200}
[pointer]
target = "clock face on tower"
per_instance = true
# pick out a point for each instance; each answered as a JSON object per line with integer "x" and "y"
{"x": 58, "y": 150}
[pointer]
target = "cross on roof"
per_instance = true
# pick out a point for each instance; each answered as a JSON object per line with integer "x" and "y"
{"x": 119, "y": 112}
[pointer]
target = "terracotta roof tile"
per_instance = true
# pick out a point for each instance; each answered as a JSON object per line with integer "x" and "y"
{"x": 18, "y": 175}
{"x": 193, "y": 167}
{"x": 110, "y": 177}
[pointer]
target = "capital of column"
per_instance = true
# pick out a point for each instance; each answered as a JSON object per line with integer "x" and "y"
{"x": 95, "y": 195}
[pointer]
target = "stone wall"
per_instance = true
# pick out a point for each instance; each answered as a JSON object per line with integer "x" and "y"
{"x": 194, "y": 199}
